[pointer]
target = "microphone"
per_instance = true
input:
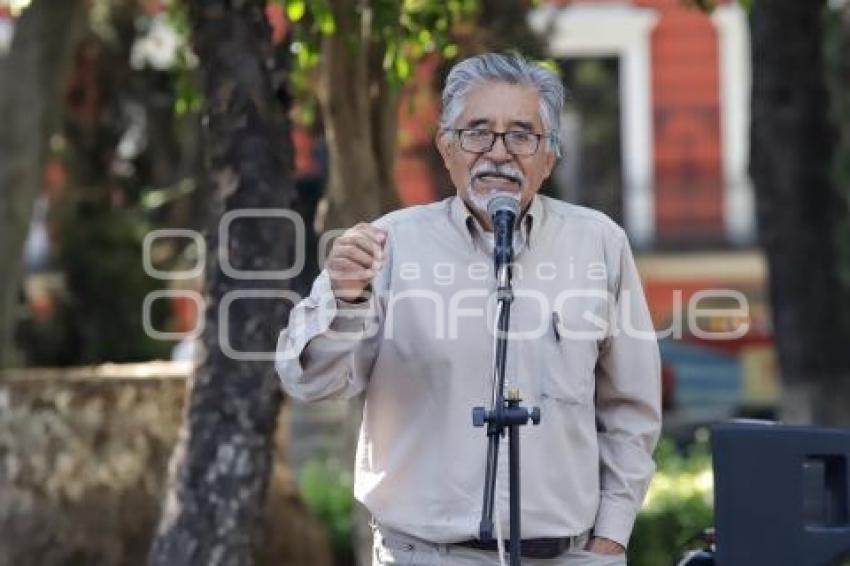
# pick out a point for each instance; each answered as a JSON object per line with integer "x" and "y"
{"x": 503, "y": 211}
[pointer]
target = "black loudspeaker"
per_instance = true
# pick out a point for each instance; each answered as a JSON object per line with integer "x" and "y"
{"x": 781, "y": 495}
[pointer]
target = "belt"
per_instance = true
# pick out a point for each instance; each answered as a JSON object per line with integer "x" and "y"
{"x": 529, "y": 547}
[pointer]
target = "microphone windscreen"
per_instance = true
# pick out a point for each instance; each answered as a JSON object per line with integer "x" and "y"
{"x": 502, "y": 202}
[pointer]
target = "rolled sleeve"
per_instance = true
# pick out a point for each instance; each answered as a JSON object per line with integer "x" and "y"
{"x": 326, "y": 350}
{"x": 628, "y": 405}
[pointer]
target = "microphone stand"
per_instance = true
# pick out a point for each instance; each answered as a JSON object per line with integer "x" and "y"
{"x": 505, "y": 413}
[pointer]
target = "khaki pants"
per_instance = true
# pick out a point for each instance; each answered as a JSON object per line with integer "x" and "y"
{"x": 394, "y": 548}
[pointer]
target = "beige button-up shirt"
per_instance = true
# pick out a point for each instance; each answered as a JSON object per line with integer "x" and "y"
{"x": 582, "y": 348}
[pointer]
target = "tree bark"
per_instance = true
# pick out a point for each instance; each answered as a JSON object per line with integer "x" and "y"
{"x": 32, "y": 77}
{"x": 792, "y": 147}
{"x": 359, "y": 108}
{"x": 220, "y": 468}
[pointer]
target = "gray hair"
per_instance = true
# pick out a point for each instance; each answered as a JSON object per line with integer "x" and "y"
{"x": 511, "y": 69}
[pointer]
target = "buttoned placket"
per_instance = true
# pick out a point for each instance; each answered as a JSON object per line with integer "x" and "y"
{"x": 483, "y": 248}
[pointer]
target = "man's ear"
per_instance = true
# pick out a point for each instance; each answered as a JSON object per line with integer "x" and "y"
{"x": 549, "y": 163}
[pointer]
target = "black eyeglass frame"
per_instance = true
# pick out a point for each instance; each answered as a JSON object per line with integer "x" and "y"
{"x": 496, "y": 135}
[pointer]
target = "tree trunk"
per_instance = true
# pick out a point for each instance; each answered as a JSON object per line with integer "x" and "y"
{"x": 792, "y": 146}
{"x": 220, "y": 469}
{"x": 32, "y": 77}
{"x": 359, "y": 108}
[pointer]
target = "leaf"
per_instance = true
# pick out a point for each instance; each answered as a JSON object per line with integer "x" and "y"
{"x": 415, "y": 5}
{"x": 425, "y": 40}
{"x": 295, "y": 10}
{"x": 389, "y": 54}
{"x": 402, "y": 68}
{"x": 327, "y": 24}
{"x": 302, "y": 56}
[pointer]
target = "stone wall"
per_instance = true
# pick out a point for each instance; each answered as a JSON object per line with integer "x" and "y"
{"x": 83, "y": 460}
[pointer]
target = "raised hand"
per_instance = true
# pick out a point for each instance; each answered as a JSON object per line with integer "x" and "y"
{"x": 354, "y": 260}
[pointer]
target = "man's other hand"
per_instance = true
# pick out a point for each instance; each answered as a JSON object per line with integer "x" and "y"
{"x": 602, "y": 545}
{"x": 354, "y": 260}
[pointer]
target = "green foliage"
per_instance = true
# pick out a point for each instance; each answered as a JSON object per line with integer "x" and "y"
{"x": 97, "y": 314}
{"x": 128, "y": 166}
{"x": 187, "y": 92}
{"x": 326, "y": 488}
{"x": 101, "y": 253}
{"x": 678, "y": 505}
{"x": 401, "y": 32}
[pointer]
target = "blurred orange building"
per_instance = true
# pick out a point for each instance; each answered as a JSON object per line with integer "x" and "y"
{"x": 680, "y": 116}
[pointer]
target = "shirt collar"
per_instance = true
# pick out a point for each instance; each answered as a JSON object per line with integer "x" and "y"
{"x": 532, "y": 221}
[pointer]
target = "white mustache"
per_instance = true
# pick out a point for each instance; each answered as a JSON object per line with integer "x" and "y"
{"x": 506, "y": 171}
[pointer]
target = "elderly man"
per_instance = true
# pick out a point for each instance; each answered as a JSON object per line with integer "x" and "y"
{"x": 403, "y": 311}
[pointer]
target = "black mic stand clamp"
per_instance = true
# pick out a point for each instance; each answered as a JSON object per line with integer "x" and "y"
{"x": 506, "y": 414}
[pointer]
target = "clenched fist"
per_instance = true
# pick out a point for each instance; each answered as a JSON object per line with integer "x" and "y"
{"x": 354, "y": 260}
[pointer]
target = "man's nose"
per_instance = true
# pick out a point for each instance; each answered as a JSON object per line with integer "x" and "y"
{"x": 499, "y": 152}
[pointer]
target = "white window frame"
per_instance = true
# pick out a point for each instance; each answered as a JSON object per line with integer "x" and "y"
{"x": 621, "y": 30}
{"x": 730, "y": 21}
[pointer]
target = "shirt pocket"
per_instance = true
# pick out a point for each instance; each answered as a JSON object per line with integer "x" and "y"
{"x": 570, "y": 354}
{"x": 568, "y": 372}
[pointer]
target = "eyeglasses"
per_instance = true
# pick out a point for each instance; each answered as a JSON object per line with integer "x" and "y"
{"x": 475, "y": 140}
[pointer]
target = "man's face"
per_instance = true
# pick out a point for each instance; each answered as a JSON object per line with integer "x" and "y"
{"x": 498, "y": 107}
